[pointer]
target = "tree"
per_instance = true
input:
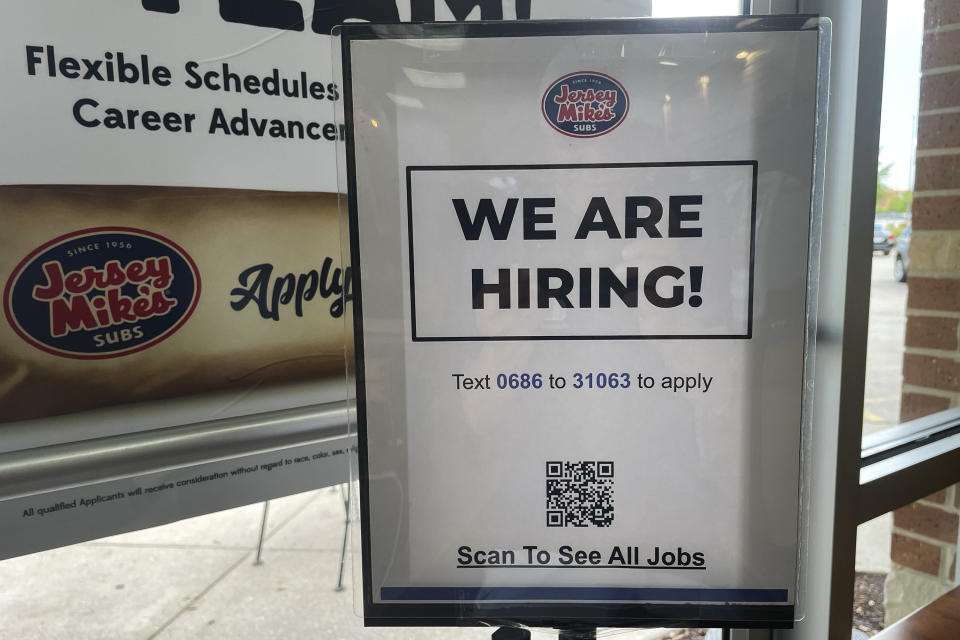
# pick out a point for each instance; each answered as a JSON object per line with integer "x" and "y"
{"x": 883, "y": 189}
{"x": 896, "y": 201}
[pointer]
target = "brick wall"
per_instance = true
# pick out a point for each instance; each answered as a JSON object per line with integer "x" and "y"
{"x": 924, "y": 545}
{"x": 925, "y": 534}
{"x": 931, "y": 366}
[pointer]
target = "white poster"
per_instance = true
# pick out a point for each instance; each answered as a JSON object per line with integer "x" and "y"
{"x": 581, "y": 270}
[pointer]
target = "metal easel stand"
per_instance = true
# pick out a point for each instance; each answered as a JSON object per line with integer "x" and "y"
{"x": 263, "y": 530}
{"x": 345, "y": 496}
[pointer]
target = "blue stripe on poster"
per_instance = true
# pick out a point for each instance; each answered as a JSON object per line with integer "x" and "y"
{"x": 584, "y": 593}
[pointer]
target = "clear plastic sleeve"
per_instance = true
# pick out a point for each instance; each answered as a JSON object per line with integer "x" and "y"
{"x": 585, "y": 275}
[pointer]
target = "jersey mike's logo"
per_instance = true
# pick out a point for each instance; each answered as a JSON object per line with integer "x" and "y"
{"x": 585, "y": 104}
{"x": 101, "y": 293}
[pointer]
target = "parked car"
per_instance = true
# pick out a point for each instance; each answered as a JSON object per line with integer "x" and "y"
{"x": 901, "y": 256}
{"x": 883, "y": 240}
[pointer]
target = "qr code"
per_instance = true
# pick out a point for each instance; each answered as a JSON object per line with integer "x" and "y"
{"x": 579, "y": 493}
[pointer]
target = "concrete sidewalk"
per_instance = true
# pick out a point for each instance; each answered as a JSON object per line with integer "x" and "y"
{"x": 195, "y": 579}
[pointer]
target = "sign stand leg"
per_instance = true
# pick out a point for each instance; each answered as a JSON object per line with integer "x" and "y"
{"x": 263, "y": 530}
{"x": 345, "y": 496}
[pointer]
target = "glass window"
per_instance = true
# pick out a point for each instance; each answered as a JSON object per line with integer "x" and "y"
{"x": 895, "y": 178}
{"x": 906, "y": 558}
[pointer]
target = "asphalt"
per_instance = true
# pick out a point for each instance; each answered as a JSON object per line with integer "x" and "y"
{"x": 881, "y": 398}
{"x": 196, "y": 579}
{"x": 888, "y": 305}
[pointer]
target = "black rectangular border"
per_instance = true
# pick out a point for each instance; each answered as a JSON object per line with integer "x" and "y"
{"x": 601, "y": 165}
{"x": 561, "y": 615}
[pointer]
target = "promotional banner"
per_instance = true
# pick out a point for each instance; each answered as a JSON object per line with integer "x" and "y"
{"x": 171, "y": 247}
{"x": 119, "y": 294}
{"x": 114, "y": 295}
{"x": 126, "y": 294}
{"x": 580, "y": 260}
{"x": 218, "y": 94}
{"x": 211, "y": 93}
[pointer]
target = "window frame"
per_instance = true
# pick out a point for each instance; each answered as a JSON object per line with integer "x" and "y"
{"x": 853, "y": 480}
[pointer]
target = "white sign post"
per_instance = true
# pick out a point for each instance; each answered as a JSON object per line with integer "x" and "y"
{"x": 582, "y": 261}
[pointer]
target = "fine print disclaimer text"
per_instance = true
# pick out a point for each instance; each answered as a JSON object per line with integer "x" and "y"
{"x": 91, "y": 498}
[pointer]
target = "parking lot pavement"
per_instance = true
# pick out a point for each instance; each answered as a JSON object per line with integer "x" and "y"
{"x": 888, "y": 321}
{"x": 881, "y": 401}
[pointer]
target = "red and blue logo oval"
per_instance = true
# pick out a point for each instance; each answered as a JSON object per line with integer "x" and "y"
{"x": 101, "y": 293}
{"x": 585, "y": 104}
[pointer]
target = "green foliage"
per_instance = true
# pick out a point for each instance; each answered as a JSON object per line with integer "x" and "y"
{"x": 883, "y": 172}
{"x": 899, "y": 202}
{"x": 897, "y": 228}
{"x": 888, "y": 199}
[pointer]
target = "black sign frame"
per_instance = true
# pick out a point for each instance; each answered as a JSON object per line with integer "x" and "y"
{"x": 547, "y": 614}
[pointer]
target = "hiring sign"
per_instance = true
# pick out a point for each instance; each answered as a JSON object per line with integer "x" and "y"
{"x": 685, "y": 231}
{"x": 581, "y": 259}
